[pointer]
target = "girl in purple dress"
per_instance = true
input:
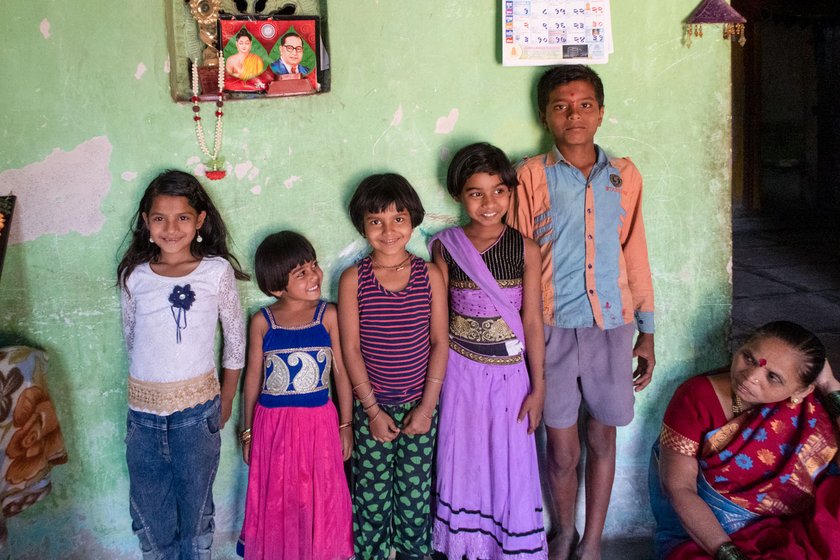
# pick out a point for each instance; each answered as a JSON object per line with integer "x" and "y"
{"x": 488, "y": 500}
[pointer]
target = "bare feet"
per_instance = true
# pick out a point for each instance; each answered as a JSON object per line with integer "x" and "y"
{"x": 587, "y": 552}
{"x": 561, "y": 547}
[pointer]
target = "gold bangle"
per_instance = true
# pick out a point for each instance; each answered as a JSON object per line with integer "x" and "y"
{"x": 360, "y": 384}
{"x": 345, "y": 425}
{"x": 434, "y": 380}
{"x": 366, "y": 397}
{"x": 368, "y": 407}
{"x": 423, "y": 412}
{"x": 375, "y": 416}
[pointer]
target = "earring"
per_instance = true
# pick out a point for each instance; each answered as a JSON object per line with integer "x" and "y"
{"x": 198, "y": 237}
{"x": 152, "y": 241}
{"x": 794, "y": 400}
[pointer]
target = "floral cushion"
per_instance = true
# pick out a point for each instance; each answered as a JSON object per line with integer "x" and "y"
{"x": 29, "y": 430}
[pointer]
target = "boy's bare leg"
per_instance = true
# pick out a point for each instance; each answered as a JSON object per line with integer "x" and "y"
{"x": 600, "y": 473}
{"x": 563, "y": 453}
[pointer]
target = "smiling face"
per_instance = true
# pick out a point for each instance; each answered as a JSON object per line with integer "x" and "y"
{"x": 767, "y": 370}
{"x": 172, "y": 224}
{"x": 572, "y": 114}
{"x": 304, "y": 282}
{"x": 485, "y": 198}
{"x": 388, "y": 232}
{"x": 291, "y": 51}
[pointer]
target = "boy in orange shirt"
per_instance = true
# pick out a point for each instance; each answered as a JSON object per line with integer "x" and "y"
{"x": 584, "y": 209}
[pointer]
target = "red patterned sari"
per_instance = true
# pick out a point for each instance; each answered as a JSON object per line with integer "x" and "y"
{"x": 763, "y": 473}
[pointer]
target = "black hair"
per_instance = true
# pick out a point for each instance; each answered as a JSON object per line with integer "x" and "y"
{"x": 243, "y": 33}
{"x": 377, "y": 192}
{"x": 213, "y": 231}
{"x": 277, "y": 256}
{"x": 480, "y": 157}
{"x": 290, "y": 34}
{"x": 563, "y": 74}
{"x": 800, "y": 339}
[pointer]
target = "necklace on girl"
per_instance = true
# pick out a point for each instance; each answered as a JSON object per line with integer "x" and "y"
{"x": 396, "y": 267}
{"x": 215, "y": 164}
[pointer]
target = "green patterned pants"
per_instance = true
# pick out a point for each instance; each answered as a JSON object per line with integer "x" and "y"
{"x": 391, "y": 489}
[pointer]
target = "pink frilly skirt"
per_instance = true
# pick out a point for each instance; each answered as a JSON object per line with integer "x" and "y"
{"x": 297, "y": 504}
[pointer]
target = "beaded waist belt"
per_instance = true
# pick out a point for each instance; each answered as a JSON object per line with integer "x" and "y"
{"x": 173, "y": 396}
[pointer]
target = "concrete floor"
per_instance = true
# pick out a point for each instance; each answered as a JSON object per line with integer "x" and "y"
{"x": 787, "y": 269}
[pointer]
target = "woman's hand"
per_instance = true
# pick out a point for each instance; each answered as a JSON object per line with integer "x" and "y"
{"x": 346, "y": 435}
{"x": 382, "y": 427}
{"x": 532, "y": 407}
{"x": 418, "y": 421}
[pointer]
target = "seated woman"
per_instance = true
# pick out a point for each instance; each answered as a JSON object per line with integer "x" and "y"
{"x": 745, "y": 462}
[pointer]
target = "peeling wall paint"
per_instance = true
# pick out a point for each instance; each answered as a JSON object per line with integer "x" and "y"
{"x": 86, "y": 127}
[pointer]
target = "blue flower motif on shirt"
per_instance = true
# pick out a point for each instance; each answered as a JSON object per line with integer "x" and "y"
{"x": 765, "y": 411}
{"x": 725, "y": 454}
{"x": 760, "y": 497}
{"x": 719, "y": 478}
{"x": 795, "y": 421}
{"x": 784, "y": 478}
{"x": 743, "y": 461}
{"x": 761, "y": 434}
{"x": 180, "y": 301}
{"x": 812, "y": 422}
{"x": 784, "y": 449}
{"x": 746, "y": 433}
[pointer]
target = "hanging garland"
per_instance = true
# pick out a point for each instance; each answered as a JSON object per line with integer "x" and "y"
{"x": 215, "y": 164}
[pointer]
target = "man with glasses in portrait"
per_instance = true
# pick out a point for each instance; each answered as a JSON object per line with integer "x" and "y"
{"x": 291, "y": 53}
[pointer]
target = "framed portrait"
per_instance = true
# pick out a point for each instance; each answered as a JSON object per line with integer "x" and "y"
{"x": 7, "y": 207}
{"x": 273, "y": 56}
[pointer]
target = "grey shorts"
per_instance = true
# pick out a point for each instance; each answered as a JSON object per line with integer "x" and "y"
{"x": 593, "y": 365}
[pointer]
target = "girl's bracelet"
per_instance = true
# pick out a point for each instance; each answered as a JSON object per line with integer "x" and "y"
{"x": 371, "y": 405}
{"x": 434, "y": 380}
{"x": 423, "y": 412}
{"x": 366, "y": 397}
{"x": 729, "y": 551}
{"x": 832, "y": 404}
{"x": 345, "y": 425}
{"x": 245, "y": 436}
{"x": 360, "y": 384}
{"x": 375, "y": 416}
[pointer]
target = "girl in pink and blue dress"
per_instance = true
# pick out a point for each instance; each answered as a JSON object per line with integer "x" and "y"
{"x": 488, "y": 500}
{"x": 297, "y": 504}
{"x": 178, "y": 282}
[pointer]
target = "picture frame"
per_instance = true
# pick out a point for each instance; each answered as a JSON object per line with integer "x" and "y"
{"x": 7, "y": 207}
{"x": 272, "y": 56}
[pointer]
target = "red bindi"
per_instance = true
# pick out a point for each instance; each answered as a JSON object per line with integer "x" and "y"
{"x": 762, "y": 362}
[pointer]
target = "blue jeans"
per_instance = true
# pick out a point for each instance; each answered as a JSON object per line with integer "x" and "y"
{"x": 172, "y": 462}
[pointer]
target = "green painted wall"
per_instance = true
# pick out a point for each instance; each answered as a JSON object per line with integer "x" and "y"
{"x": 87, "y": 121}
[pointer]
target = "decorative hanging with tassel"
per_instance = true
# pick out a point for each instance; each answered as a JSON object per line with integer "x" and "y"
{"x": 714, "y": 12}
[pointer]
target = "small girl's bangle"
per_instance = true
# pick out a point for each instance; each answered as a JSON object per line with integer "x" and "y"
{"x": 423, "y": 412}
{"x": 434, "y": 380}
{"x": 345, "y": 425}
{"x": 371, "y": 405}
{"x": 360, "y": 384}
{"x": 375, "y": 416}
{"x": 245, "y": 436}
{"x": 366, "y": 397}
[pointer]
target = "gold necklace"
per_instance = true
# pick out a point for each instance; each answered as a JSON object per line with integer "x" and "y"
{"x": 737, "y": 404}
{"x": 397, "y": 267}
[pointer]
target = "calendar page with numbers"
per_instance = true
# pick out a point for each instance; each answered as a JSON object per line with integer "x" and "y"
{"x": 546, "y": 32}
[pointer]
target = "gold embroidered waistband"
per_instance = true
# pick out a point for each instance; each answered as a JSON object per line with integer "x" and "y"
{"x": 165, "y": 398}
{"x": 470, "y": 285}
{"x": 482, "y": 359}
{"x": 480, "y": 329}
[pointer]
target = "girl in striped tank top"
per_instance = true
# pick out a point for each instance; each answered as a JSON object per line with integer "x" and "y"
{"x": 393, "y": 322}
